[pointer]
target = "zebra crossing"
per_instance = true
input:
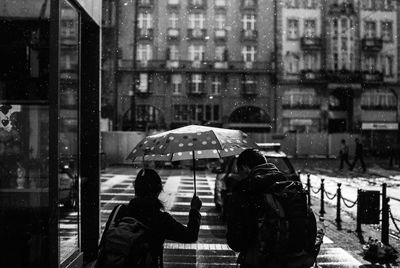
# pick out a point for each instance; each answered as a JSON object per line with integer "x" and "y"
{"x": 211, "y": 249}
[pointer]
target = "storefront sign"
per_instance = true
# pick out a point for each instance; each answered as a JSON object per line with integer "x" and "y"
{"x": 380, "y": 126}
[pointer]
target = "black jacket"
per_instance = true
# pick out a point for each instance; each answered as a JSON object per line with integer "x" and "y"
{"x": 162, "y": 225}
{"x": 242, "y": 210}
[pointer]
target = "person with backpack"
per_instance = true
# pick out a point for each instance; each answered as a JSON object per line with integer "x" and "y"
{"x": 134, "y": 234}
{"x": 269, "y": 221}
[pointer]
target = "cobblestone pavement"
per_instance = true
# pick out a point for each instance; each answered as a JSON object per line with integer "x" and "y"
{"x": 211, "y": 249}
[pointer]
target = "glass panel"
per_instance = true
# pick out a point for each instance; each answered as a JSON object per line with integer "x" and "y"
{"x": 69, "y": 131}
{"x": 24, "y": 133}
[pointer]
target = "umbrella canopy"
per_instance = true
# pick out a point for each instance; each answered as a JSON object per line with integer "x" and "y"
{"x": 192, "y": 142}
{"x": 181, "y": 143}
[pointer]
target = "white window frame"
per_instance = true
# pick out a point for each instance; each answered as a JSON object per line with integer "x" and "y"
{"x": 292, "y": 63}
{"x": 387, "y": 35}
{"x": 219, "y": 53}
{"x": 143, "y": 82}
{"x": 292, "y": 29}
{"x": 216, "y": 85}
{"x": 176, "y": 82}
{"x": 220, "y": 21}
{"x": 220, "y": 3}
{"x": 173, "y": 2}
{"x": 144, "y": 52}
{"x": 249, "y": 53}
{"x": 173, "y": 53}
{"x": 310, "y": 61}
{"x": 196, "y": 21}
{"x": 249, "y": 21}
{"x": 196, "y": 53}
{"x": 145, "y": 21}
{"x": 370, "y": 29}
{"x": 173, "y": 20}
{"x": 197, "y": 80}
{"x": 310, "y": 27}
{"x": 388, "y": 65}
{"x": 370, "y": 62}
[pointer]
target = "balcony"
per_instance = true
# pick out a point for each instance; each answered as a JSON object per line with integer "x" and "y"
{"x": 145, "y": 3}
{"x": 307, "y": 76}
{"x": 221, "y": 65}
{"x": 144, "y": 93}
{"x": 310, "y": 43}
{"x": 249, "y": 35}
{"x": 342, "y": 9}
{"x": 172, "y": 64}
{"x": 248, "y": 5}
{"x": 196, "y": 34}
{"x": 372, "y": 77}
{"x": 145, "y": 34}
{"x": 249, "y": 89}
{"x": 344, "y": 76}
{"x": 197, "y": 89}
{"x": 173, "y": 4}
{"x": 371, "y": 44}
{"x": 220, "y": 35}
{"x": 199, "y": 4}
{"x": 173, "y": 33}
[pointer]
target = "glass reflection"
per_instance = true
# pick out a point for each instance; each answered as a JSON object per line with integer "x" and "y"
{"x": 68, "y": 136}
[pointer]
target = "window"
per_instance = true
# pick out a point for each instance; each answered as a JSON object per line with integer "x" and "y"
{"x": 387, "y": 67}
{"x": 249, "y": 22}
{"x": 370, "y": 29}
{"x": 216, "y": 85}
{"x": 310, "y": 3}
{"x": 220, "y": 21}
{"x": 173, "y": 2}
{"x": 249, "y": 3}
{"x": 292, "y": 63}
{"x": 304, "y": 98}
{"x": 388, "y": 4}
{"x": 310, "y": 61}
{"x": 196, "y": 21}
{"x": 378, "y": 99}
{"x": 293, "y": 29}
{"x": 145, "y": 21}
{"x": 335, "y": 30}
{"x": 143, "y": 83}
{"x": 173, "y": 20}
{"x": 173, "y": 53}
{"x": 309, "y": 28}
{"x": 387, "y": 31}
{"x": 181, "y": 113}
{"x": 197, "y": 2}
{"x": 370, "y": 63}
{"x": 220, "y": 3}
{"x": 195, "y": 113}
{"x": 197, "y": 83}
{"x": 196, "y": 53}
{"x": 144, "y": 52}
{"x": 221, "y": 53}
{"x": 249, "y": 53}
{"x": 176, "y": 81}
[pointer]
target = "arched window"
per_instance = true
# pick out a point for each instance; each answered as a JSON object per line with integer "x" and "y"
{"x": 300, "y": 99}
{"x": 378, "y": 99}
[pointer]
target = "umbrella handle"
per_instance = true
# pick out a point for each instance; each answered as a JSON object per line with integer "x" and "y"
{"x": 194, "y": 173}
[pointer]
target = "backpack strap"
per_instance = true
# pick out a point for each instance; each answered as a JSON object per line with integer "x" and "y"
{"x": 110, "y": 222}
{"x": 275, "y": 205}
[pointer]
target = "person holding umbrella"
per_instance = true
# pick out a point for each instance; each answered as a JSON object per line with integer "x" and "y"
{"x": 146, "y": 208}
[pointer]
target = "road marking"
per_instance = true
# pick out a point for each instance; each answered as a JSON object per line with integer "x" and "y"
{"x": 212, "y": 227}
{"x": 115, "y": 201}
{"x": 197, "y": 246}
{"x": 188, "y": 204}
{"x": 191, "y": 194}
{"x": 182, "y": 213}
{"x": 118, "y": 194}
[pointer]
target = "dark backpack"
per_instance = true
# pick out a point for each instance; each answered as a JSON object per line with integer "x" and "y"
{"x": 125, "y": 244}
{"x": 287, "y": 226}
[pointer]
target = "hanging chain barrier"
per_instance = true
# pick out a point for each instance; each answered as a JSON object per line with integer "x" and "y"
{"x": 316, "y": 192}
{"x": 330, "y": 197}
{"x": 347, "y": 204}
{"x": 394, "y": 220}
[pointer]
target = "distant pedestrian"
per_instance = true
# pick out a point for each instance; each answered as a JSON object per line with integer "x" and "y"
{"x": 134, "y": 234}
{"x": 268, "y": 219}
{"x": 344, "y": 155}
{"x": 359, "y": 155}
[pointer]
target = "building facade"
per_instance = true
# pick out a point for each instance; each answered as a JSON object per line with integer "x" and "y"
{"x": 338, "y": 68}
{"x": 278, "y": 66}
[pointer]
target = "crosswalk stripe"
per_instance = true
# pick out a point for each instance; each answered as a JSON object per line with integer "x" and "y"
{"x": 205, "y": 204}
{"x": 197, "y": 246}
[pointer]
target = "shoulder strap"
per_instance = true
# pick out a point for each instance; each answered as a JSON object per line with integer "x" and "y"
{"x": 275, "y": 205}
{"x": 110, "y": 221}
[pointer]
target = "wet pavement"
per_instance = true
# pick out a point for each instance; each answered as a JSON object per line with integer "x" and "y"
{"x": 211, "y": 249}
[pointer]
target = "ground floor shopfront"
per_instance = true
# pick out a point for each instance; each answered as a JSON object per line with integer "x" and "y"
{"x": 369, "y": 110}
{"x": 49, "y": 111}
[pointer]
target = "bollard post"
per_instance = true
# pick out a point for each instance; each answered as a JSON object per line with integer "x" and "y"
{"x": 339, "y": 197}
{"x": 309, "y": 189}
{"x": 385, "y": 216}
{"x": 358, "y": 230}
{"x": 322, "y": 210}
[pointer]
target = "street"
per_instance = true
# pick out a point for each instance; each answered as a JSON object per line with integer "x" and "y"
{"x": 211, "y": 249}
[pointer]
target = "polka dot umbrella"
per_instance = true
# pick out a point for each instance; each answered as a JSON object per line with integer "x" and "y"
{"x": 192, "y": 142}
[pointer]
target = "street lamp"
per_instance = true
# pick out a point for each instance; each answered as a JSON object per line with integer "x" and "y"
{"x": 132, "y": 92}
